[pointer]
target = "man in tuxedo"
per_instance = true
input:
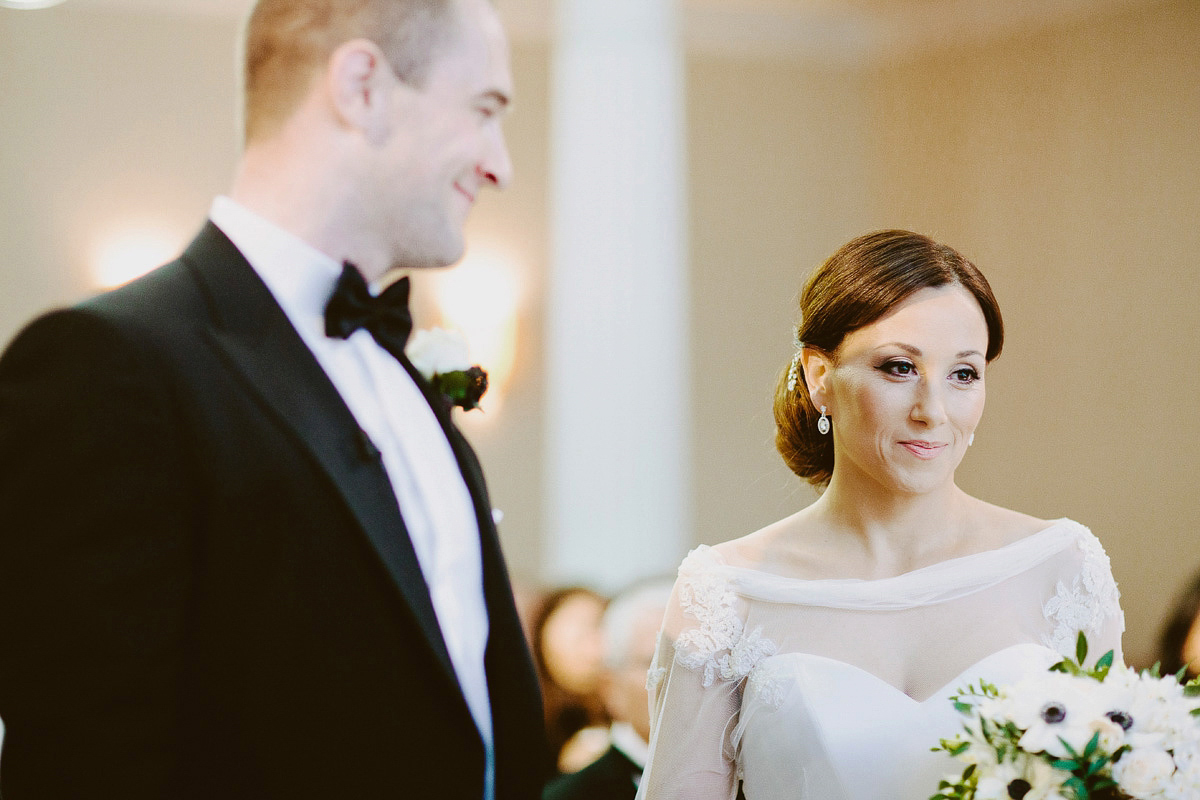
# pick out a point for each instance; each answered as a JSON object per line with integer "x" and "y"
{"x": 630, "y": 629}
{"x": 245, "y": 553}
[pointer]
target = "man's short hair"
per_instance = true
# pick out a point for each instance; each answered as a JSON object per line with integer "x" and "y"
{"x": 288, "y": 42}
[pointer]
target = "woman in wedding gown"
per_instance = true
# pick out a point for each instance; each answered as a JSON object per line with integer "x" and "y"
{"x": 813, "y": 659}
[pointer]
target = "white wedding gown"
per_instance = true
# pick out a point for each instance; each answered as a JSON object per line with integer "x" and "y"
{"x": 837, "y": 689}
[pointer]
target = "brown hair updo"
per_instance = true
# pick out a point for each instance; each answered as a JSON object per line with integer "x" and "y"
{"x": 860, "y": 283}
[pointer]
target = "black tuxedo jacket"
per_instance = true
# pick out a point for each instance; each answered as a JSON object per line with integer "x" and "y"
{"x": 206, "y": 586}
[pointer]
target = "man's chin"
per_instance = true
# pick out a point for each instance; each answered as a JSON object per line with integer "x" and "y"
{"x": 443, "y": 257}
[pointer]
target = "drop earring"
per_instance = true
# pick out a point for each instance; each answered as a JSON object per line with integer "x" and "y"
{"x": 823, "y": 425}
{"x": 971, "y": 439}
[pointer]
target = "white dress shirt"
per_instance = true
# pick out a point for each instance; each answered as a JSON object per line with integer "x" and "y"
{"x": 433, "y": 496}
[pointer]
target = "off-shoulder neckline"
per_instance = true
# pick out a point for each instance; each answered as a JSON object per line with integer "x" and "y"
{"x": 1039, "y": 542}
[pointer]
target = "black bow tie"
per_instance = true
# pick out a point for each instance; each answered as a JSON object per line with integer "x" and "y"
{"x": 385, "y": 316}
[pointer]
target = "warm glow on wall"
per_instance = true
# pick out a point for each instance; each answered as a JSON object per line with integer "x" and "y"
{"x": 480, "y": 297}
{"x": 28, "y": 4}
{"x": 128, "y": 253}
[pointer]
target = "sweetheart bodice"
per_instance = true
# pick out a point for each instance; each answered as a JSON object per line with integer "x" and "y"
{"x": 816, "y": 727}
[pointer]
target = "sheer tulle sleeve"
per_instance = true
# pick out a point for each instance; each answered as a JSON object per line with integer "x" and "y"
{"x": 1086, "y": 599}
{"x": 695, "y": 685}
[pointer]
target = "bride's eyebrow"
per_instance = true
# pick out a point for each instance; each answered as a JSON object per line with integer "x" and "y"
{"x": 908, "y": 348}
{"x": 916, "y": 351}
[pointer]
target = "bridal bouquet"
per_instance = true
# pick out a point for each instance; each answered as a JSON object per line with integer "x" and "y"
{"x": 1106, "y": 733}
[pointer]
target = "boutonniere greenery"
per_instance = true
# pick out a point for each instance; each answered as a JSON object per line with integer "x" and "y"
{"x": 441, "y": 357}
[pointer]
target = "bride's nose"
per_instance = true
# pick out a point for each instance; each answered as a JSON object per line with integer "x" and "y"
{"x": 929, "y": 404}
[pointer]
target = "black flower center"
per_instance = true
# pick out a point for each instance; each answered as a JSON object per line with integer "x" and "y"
{"x": 1018, "y": 789}
{"x": 1053, "y": 713}
{"x": 1121, "y": 718}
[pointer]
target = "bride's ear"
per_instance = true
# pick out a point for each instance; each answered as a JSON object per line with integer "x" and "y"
{"x": 817, "y": 366}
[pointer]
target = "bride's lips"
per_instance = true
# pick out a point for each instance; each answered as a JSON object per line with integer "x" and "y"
{"x": 923, "y": 449}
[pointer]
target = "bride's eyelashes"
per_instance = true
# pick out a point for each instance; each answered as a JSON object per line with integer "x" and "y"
{"x": 902, "y": 368}
{"x": 966, "y": 375}
{"x": 897, "y": 368}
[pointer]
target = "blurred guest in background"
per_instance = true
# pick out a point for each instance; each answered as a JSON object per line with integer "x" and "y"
{"x": 630, "y": 632}
{"x": 1179, "y": 640}
{"x": 567, "y": 650}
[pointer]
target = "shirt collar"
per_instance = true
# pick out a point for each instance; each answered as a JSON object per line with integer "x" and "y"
{"x": 299, "y": 276}
{"x": 626, "y": 739}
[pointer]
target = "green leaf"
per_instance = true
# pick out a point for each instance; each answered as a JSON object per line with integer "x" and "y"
{"x": 1078, "y": 787}
{"x": 1103, "y": 665}
{"x": 1081, "y": 648}
{"x": 1092, "y": 744}
{"x": 1070, "y": 750}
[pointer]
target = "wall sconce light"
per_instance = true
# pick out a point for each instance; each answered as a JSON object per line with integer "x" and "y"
{"x": 480, "y": 297}
{"x": 128, "y": 253}
{"x": 28, "y": 4}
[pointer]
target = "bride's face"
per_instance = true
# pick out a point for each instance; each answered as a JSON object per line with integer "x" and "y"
{"x": 906, "y": 392}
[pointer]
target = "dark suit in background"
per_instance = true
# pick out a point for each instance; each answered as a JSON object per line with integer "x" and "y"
{"x": 613, "y": 776}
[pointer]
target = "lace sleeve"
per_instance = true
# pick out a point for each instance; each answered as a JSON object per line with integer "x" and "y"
{"x": 1086, "y": 600}
{"x": 704, "y": 655}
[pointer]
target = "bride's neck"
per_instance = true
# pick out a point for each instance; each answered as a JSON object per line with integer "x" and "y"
{"x": 897, "y": 528}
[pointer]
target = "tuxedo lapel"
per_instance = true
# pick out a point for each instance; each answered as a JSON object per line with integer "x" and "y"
{"x": 497, "y": 587}
{"x": 257, "y": 340}
{"x": 512, "y": 680}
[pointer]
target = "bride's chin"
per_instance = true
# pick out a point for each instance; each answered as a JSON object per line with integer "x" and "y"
{"x": 918, "y": 482}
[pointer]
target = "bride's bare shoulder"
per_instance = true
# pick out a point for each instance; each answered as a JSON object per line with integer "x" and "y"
{"x": 790, "y": 546}
{"x": 1006, "y": 525}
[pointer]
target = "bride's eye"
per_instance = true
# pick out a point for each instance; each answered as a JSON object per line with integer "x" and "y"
{"x": 965, "y": 375}
{"x": 897, "y": 368}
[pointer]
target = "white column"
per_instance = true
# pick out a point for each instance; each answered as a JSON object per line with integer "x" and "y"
{"x": 617, "y": 373}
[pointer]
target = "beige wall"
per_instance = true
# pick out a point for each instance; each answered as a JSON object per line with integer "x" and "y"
{"x": 1065, "y": 162}
{"x": 1068, "y": 165}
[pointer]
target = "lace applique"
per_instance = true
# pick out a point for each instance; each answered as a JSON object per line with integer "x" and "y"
{"x": 654, "y": 677}
{"x": 766, "y": 683}
{"x": 720, "y": 646}
{"x": 1091, "y": 598}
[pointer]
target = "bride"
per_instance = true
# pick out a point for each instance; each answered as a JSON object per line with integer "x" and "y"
{"x": 813, "y": 659}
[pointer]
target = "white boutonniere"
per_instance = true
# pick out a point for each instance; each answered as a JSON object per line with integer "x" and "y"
{"x": 441, "y": 357}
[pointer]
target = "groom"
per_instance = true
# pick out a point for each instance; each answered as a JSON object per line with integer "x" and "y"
{"x": 244, "y": 552}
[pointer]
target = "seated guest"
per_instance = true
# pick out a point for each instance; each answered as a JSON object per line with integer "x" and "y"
{"x": 567, "y": 651}
{"x": 630, "y": 632}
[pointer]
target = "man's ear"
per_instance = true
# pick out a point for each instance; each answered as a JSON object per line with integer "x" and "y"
{"x": 817, "y": 366}
{"x": 360, "y": 82}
